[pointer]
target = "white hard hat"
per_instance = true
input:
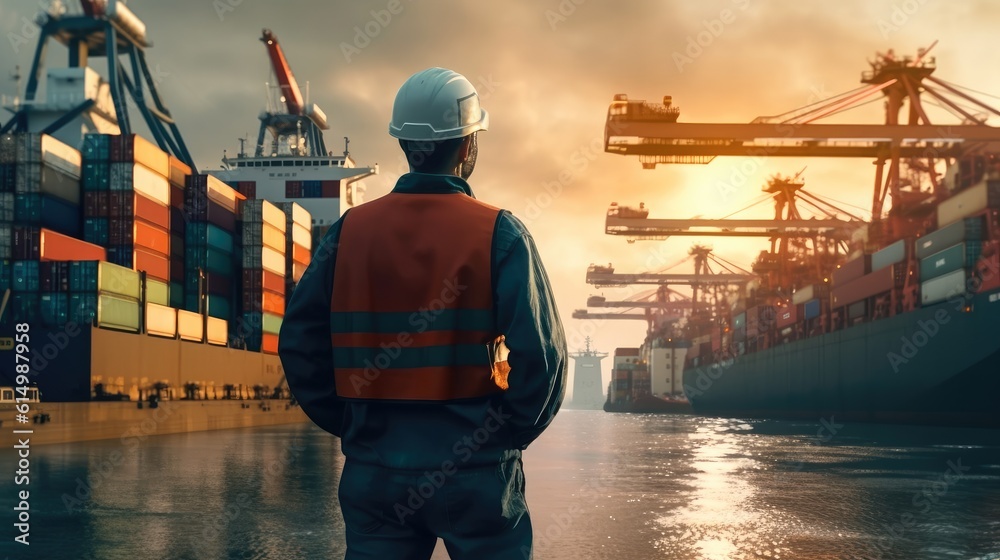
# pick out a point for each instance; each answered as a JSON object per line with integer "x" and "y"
{"x": 437, "y": 104}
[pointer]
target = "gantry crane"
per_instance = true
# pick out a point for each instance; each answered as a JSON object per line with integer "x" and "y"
{"x": 109, "y": 29}
{"x": 791, "y": 262}
{"x": 905, "y": 155}
{"x": 298, "y": 128}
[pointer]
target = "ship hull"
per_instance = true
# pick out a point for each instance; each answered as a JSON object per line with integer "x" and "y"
{"x": 939, "y": 365}
{"x": 649, "y": 405}
{"x": 69, "y": 361}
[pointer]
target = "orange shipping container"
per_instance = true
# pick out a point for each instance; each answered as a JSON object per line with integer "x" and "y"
{"x": 156, "y": 266}
{"x": 300, "y": 254}
{"x": 178, "y": 171}
{"x": 152, "y": 211}
{"x": 273, "y": 303}
{"x": 150, "y": 155}
{"x": 148, "y": 236}
{"x": 273, "y": 282}
{"x": 54, "y": 246}
{"x": 269, "y": 344}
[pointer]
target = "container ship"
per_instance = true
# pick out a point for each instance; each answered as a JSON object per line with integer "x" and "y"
{"x": 890, "y": 320}
{"x": 137, "y": 294}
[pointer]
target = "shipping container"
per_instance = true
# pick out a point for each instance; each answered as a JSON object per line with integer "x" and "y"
{"x": 136, "y": 149}
{"x": 42, "y": 148}
{"x": 141, "y": 206}
{"x": 269, "y": 344}
{"x": 298, "y": 270}
{"x": 82, "y": 308}
{"x": 264, "y": 301}
{"x": 330, "y": 189}
{"x": 96, "y": 147}
{"x": 300, "y": 254}
{"x": 213, "y": 189}
{"x": 209, "y": 260}
{"x": 787, "y": 315}
{"x": 96, "y": 176}
{"x": 139, "y": 178}
{"x": 217, "y": 331}
{"x": 296, "y": 214}
{"x": 212, "y": 283}
{"x": 96, "y": 204}
{"x": 217, "y": 306}
{"x": 155, "y": 265}
{"x": 812, "y": 309}
{"x": 852, "y": 270}
{"x": 869, "y": 285}
{"x": 969, "y": 201}
{"x": 157, "y": 291}
{"x": 53, "y": 276}
{"x": 891, "y": 254}
{"x": 268, "y": 322}
{"x": 739, "y": 320}
{"x": 264, "y": 257}
{"x": 857, "y": 310}
{"x": 8, "y": 177}
{"x": 104, "y": 277}
{"x": 7, "y": 242}
{"x": 177, "y": 295}
{"x": 53, "y": 309}
{"x": 948, "y": 286}
{"x": 293, "y": 189}
{"x": 969, "y": 229}
{"x": 961, "y": 256}
{"x": 47, "y": 211}
{"x": 257, "y": 211}
{"x": 40, "y": 178}
{"x": 247, "y": 189}
{"x": 114, "y": 312}
{"x": 25, "y": 276}
{"x": 301, "y": 236}
{"x": 178, "y": 173}
{"x": 151, "y": 238}
{"x": 54, "y": 246}
{"x": 190, "y": 325}
{"x": 161, "y": 320}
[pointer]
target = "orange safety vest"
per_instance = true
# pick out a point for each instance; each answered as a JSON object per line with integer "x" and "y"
{"x": 411, "y": 317}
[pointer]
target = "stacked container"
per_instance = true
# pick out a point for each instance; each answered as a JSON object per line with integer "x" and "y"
{"x": 46, "y": 180}
{"x": 177, "y": 178}
{"x": 264, "y": 242}
{"x": 209, "y": 258}
{"x": 946, "y": 257}
{"x": 126, "y": 206}
{"x": 298, "y": 248}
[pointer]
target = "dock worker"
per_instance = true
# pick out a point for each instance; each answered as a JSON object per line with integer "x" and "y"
{"x": 425, "y": 335}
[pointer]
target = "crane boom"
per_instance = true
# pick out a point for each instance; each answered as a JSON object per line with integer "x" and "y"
{"x": 289, "y": 87}
{"x": 645, "y": 228}
{"x": 617, "y": 279}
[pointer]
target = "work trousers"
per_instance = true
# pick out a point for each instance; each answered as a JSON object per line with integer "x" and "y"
{"x": 479, "y": 512}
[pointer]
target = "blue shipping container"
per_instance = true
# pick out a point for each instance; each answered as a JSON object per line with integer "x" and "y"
{"x": 811, "y": 309}
{"x": 24, "y": 276}
{"x": 37, "y": 209}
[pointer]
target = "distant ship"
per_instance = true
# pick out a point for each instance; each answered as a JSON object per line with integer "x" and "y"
{"x": 587, "y": 381}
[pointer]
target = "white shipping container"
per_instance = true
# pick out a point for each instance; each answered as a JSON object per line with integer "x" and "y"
{"x": 161, "y": 320}
{"x": 803, "y": 295}
{"x": 35, "y": 148}
{"x": 273, "y": 215}
{"x": 891, "y": 254}
{"x": 302, "y": 236}
{"x": 968, "y": 202}
{"x": 943, "y": 288}
{"x": 5, "y": 242}
{"x": 40, "y": 178}
{"x": 150, "y": 184}
{"x": 190, "y": 325}
{"x": 272, "y": 261}
{"x": 218, "y": 331}
{"x": 273, "y": 238}
{"x": 221, "y": 193}
{"x": 301, "y": 216}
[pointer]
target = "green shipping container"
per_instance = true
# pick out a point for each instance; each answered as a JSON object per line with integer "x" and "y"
{"x": 118, "y": 313}
{"x": 157, "y": 292}
{"x": 957, "y": 257}
{"x": 103, "y": 277}
{"x": 270, "y": 323}
{"x": 176, "y": 295}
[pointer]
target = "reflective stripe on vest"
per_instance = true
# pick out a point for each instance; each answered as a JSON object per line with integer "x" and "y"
{"x": 411, "y": 316}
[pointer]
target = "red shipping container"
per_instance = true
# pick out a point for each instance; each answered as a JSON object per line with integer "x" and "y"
{"x": 218, "y": 284}
{"x": 177, "y": 196}
{"x": 873, "y": 284}
{"x": 156, "y": 266}
{"x": 154, "y": 239}
{"x": 852, "y": 270}
{"x": 269, "y": 343}
{"x": 54, "y": 246}
{"x": 988, "y": 268}
{"x": 247, "y": 188}
{"x": 293, "y": 189}
{"x": 330, "y": 189}
{"x": 152, "y": 211}
{"x": 266, "y": 301}
{"x": 787, "y": 315}
{"x": 176, "y": 246}
{"x": 300, "y": 254}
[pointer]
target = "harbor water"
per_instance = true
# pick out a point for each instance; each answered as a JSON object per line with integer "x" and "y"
{"x": 599, "y": 486}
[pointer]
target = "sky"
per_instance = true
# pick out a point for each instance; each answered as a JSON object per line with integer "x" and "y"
{"x": 546, "y": 71}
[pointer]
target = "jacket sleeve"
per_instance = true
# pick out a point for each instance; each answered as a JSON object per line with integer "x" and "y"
{"x": 304, "y": 341}
{"x": 528, "y": 318}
